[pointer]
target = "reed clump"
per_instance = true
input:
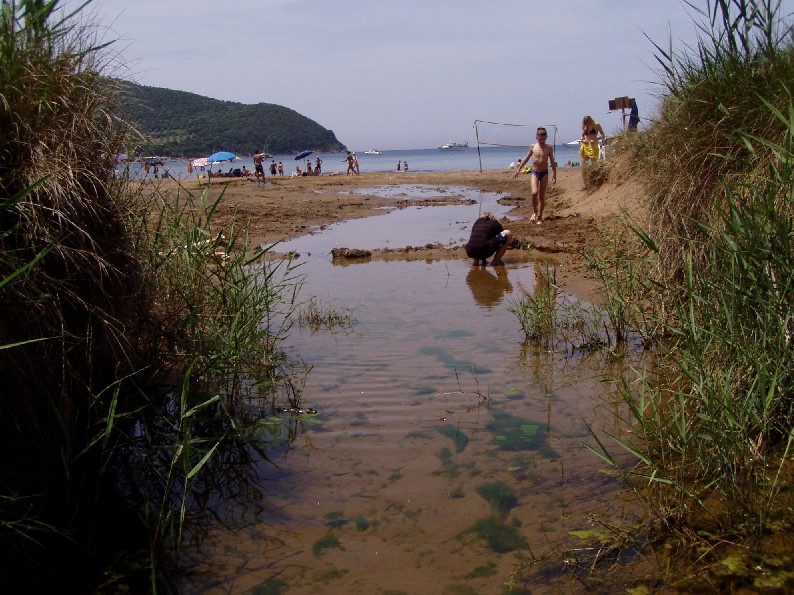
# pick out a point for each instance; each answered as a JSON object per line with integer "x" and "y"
{"x": 712, "y": 93}
{"x": 72, "y": 286}
{"x": 712, "y": 423}
{"x": 138, "y": 343}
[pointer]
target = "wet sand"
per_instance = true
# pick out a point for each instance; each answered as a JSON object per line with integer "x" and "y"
{"x": 287, "y": 207}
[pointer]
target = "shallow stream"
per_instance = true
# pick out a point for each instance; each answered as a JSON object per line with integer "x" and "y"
{"x": 446, "y": 455}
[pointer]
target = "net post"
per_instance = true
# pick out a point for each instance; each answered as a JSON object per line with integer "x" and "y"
{"x": 477, "y": 136}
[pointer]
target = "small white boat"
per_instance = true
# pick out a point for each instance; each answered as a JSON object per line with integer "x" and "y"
{"x": 574, "y": 143}
{"x": 451, "y": 146}
{"x": 372, "y": 152}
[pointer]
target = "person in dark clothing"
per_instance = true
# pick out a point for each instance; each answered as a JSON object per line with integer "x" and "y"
{"x": 634, "y": 116}
{"x": 488, "y": 237}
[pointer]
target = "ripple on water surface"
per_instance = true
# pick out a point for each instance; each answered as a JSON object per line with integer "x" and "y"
{"x": 444, "y": 445}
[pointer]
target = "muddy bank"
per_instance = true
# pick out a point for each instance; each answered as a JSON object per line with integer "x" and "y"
{"x": 287, "y": 207}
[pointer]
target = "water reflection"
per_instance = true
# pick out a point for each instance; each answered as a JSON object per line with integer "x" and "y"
{"x": 488, "y": 285}
{"x": 433, "y": 414}
{"x": 447, "y": 450}
{"x": 398, "y": 228}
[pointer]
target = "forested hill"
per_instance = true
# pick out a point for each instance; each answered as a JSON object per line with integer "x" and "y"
{"x": 178, "y": 123}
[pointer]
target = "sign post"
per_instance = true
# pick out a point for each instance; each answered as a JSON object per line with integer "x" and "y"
{"x": 623, "y": 104}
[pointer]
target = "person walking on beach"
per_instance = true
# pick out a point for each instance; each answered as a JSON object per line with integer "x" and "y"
{"x": 258, "y": 169}
{"x": 280, "y": 168}
{"x": 399, "y": 165}
{"x": 542, "y": 156}
{"x": 273, "y": 168}
{"x": 405, "y": 166}
{"x": 355, "y": 164}
{"x": 317, "y": 163}
{"x": 488, "y": 237}
{"x": 591, "y": 134}
{"x": 351, "y": 166}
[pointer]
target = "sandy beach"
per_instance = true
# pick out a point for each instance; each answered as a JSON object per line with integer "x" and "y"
{"x": 287, "y": 207}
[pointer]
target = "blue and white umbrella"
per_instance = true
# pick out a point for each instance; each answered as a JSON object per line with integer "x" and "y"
{"x": 303, "y": 154}
{"x": 221, "y": 156}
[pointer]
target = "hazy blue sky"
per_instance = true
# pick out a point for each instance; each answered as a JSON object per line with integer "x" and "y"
{"x": 409, "y": 74}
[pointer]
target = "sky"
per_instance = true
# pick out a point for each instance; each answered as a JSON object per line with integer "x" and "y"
{"x": 405, "y": 75}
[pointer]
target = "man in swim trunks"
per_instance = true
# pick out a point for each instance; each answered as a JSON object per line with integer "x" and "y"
{"x": 487, "y": 237}
{"x": 258, "y": 169}
{"x": 542, "y": 156}
{"x": 351, "y": 164}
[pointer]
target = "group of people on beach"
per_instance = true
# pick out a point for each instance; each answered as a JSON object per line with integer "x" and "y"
{"x": 352, "y": 163}
{"x": 318, "y": 168}
{"x": 488, "y": 237}
{"x": 259, "y": 167}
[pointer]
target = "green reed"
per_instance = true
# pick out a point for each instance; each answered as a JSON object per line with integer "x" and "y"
{"x": 229, "y": 307}
{"x": 710, "y": 423}
{"x": 714, "y": 421}
{"x": 623, "y": 264}
{"x": 553, "y": 320}
{"x": 316, "y": 316}
{"x": 537, "y": 310}
{"x": 712, "y": 91}
{"x": 140, "y": 340}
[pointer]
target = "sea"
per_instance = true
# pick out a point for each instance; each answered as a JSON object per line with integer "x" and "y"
{"x": 418, "y": 160}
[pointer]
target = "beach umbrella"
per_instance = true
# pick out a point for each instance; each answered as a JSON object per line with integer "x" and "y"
{"x": 303, "y": 154}
{"x": 221, "y": 156}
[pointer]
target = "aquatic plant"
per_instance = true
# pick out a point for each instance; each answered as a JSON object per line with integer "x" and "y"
{"x": 537, "y": 311}
{"x": 315, "y": 316}
{"x": 623, "y": 266}
{"x": 327, "y": 541}
{"x": 499, "y": 496}
{"x": 455, "y": 434}
{"x": 500, "y": 536}
{"x": 517, "y": 434}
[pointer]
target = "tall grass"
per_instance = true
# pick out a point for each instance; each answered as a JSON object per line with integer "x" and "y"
{"x": 138, "y": 340}
{"x": 716, "y": 420}
{"x": 537, "y": 311}
{"x": 68, "y": 313}
{"x": 712, "y": 424}
{"x": 711, "y": 92}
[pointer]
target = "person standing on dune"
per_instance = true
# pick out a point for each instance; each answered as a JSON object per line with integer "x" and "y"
{"x": 592, "y": 133}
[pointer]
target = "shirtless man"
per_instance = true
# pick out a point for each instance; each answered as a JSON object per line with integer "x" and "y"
{"x": 351, "y": 166}
{"x": 258, "y": 169}
{"x": 542, "y": 156}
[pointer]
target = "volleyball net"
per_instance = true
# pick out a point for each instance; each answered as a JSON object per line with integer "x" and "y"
{"x": 503, "y": 134}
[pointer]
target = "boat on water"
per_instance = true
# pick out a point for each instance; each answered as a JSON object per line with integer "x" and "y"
{"x": 573, "y": 143}
{"x": 372, "y": 152}
{"x": 451, "y": 146}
